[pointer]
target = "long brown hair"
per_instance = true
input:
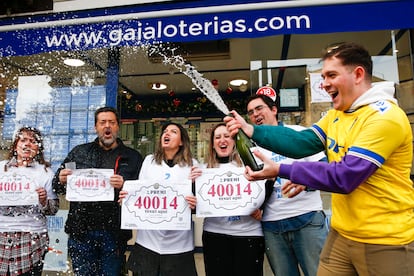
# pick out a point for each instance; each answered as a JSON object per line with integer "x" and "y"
{"x": 184, "y": 156}
{"x": 212, "y": 160}
{"x": 39, "y": 157}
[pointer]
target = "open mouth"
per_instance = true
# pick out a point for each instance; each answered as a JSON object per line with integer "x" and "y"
{"x": 27, "y": 150}
{"x": 222, "y": 150}
{"x": 333, "y": 94}
{"x": 259, "y": 121}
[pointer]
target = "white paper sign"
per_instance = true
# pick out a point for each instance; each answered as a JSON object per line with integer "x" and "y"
{"x": 17, "y": 189}
{"x": 56, "y": 258}
{"x": 90, "y": 185}
{"x": 155, "y": 205}
{"x": 221, "y": 192}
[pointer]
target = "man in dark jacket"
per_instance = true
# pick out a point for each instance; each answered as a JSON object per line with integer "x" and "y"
{"x": 96, "y": 243}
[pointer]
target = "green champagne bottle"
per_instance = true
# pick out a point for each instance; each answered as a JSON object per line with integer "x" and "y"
{"x": 245, "y": 147}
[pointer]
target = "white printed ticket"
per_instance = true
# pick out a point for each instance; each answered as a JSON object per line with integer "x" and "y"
{"x": 90, "y": 185}
{"x": 156, "y": 205}
{"x": 221, "y": 193}
{"x": 17, "y": 189}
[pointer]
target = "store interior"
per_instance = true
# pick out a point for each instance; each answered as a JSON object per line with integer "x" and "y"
{"x": 151, "y": 90}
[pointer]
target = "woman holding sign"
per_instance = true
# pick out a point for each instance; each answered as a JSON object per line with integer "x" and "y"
{"x": 166, "y": 252}
{"x": 26, "y": 197}
{"x": 232, "y": 245}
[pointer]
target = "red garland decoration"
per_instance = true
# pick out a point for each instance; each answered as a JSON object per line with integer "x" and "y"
{"x": 176, "y": 102}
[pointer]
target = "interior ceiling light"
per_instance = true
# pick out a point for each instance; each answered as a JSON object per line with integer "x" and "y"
{"x": 238, "y": 82}
{"x": 158, "y": 86}
{"x": 74, "y": 62}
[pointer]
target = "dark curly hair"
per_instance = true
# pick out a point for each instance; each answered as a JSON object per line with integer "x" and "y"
{"x": 35, "y": 133}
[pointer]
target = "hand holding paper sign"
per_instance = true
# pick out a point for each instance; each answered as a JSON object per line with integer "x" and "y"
{"x": 17, "y": 189}
{"x": 90, "y": 185}
{"x": 224, "y": 193}
{"x": 155, "y": 205}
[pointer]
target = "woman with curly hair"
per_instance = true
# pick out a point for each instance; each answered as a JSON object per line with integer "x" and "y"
{"x": 23, "y": 227}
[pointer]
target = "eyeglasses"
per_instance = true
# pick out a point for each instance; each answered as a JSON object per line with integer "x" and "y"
{"x": 257, "y": 109}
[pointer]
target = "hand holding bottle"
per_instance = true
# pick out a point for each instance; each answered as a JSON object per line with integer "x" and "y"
{"x": 270, "y": 169}
{"x": 244, "y": 144}
{"x": 234, "y": 122}
{"x": 245, "y": 147}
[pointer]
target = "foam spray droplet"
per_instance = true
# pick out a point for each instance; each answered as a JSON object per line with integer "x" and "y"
{"x": 204, "y": 85}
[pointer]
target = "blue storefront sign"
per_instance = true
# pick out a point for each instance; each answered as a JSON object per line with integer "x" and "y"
{"x": 195, "y": 21}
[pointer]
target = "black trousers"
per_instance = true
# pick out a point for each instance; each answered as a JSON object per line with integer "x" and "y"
{"x": 144, "y": 262}
{"x": 226, "y": 255}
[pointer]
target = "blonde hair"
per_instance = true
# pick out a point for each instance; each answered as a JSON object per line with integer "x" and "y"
{"x": 212, "y": 159}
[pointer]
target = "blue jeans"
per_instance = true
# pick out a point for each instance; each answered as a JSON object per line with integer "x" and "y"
{"x": 286, "y": 250}
{"x": 96, "y": 253}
